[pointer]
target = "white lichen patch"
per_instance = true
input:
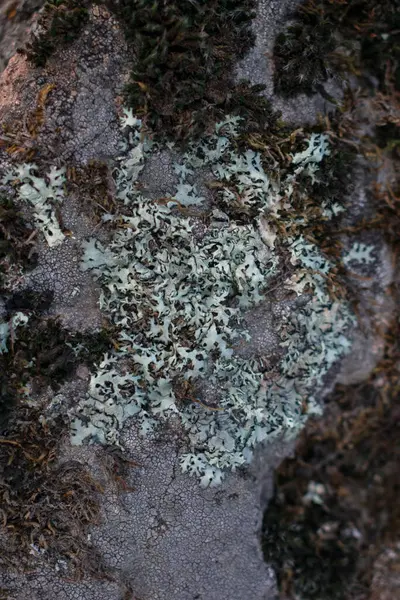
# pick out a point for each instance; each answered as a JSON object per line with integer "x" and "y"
{"x": 359, "y": 254}
{"x": 43, "y": 195}
{"x": 180, "y": 299}
{"x": 11, "y": 328}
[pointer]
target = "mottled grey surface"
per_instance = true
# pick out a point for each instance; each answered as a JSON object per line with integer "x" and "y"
{"x": 168, "y": 539}
{"x": 82, "y": 121}
{"x": 174, "y": 540}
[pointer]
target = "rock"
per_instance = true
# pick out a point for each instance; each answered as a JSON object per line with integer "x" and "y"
{"x": 168, "y": 538}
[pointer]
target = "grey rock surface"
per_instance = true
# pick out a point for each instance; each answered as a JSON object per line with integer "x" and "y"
{"x": 205, "y": 540}
{"x": 168, "y": 538}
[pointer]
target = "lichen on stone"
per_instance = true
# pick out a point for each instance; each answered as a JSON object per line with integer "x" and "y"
{"x": 43, "y": 195}
{"x": 360, "y": 254}
{"x": 179, "y": 291}
{"x": 17, "y": 320}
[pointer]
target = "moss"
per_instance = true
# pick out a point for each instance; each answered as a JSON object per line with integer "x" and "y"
{"x": 46, "y": 505}
{"x": 93, "y": 183}
{"x": 300, "y": 55}
{"x": 185, "y": 52}
{"x": 43, "y": 353}
{"x": 60, "y": 23}
{"x": 16, "y": 243}
{"x": 336, "y": 36}
{"x": 325, "y": 550}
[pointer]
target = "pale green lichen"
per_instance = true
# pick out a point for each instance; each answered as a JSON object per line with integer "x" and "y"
{"x": 12, "y": 325}
{"x": 360, "y": 254}
{"x": 179, "y": 294}
{"x": 43, "y": 194}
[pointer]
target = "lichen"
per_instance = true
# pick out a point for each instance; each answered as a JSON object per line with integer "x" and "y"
{"x": 43, "y": 195}
{"x": 179, "y": 298}
{"x": 359, "y": 253}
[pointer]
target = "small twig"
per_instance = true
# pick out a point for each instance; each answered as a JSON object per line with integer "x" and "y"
{"x": 10, "y": 442}
{"x": 31, "y": 237}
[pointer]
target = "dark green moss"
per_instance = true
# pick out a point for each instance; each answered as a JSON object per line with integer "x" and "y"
{"x": 338, "y": 36}
{"x": 14, "y": 237}
{"x": 300, "y": 55}
{"x": 185, "y": 52}
{"x": 60, "y": 23}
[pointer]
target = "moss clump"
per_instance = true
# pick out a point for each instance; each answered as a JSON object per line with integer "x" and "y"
{"x": 300, "y": 55}
{"x": 60, "y": 23}
{"x": 184, "y": 56}
{"x": 42, "y": 353}
{"x": 46, "y": 505}
{"x": 16, "y": 239}
{"x": 327, "y": 36}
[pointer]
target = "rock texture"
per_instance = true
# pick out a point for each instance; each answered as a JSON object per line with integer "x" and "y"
{"x": 167, "y": 538}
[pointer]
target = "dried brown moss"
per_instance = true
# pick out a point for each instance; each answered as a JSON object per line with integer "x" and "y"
{"x": 46, "y": 505}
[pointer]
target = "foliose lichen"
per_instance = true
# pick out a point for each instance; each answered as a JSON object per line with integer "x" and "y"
{"x": 179, "y": 292}
{"x": 43, "y": 194}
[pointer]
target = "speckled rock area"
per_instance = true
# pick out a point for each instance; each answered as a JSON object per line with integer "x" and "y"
{"x": 205, "y": 540}
{"x": 163, "y": 537}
